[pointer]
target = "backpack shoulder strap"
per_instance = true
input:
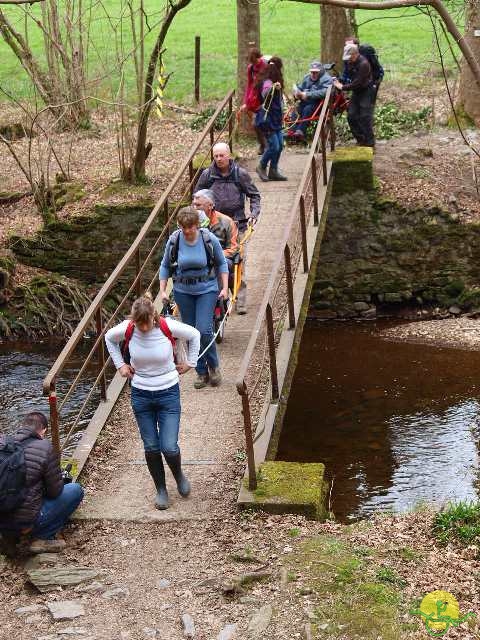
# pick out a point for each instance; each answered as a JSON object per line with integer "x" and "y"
{"x": 162, "y": 323}
{"x": 174, "y": 244}
{"x": 208, "y": 177}
{"x": 208, "y": 244}
{"x": 128, "y": 336}
{"x": 236, "y": 179}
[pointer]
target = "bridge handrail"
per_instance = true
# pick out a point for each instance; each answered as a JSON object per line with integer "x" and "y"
{"x": 93, "y": 313}
{"x": 323, "y": 131}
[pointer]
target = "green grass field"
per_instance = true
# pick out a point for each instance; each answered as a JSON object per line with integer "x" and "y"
{"x": 403, "y": 39}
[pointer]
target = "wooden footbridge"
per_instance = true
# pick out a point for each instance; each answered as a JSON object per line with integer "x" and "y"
{"x": 257, "y": 355}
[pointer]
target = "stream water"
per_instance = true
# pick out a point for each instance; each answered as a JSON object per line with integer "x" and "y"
{"x": 395, "y": 423}
{"x": 23, "y": 367}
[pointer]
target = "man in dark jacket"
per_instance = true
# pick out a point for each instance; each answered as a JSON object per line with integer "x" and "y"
{"x": 48, "y": 502}
{"x": 362, "y": 102}
{"x": 231, "y": 185}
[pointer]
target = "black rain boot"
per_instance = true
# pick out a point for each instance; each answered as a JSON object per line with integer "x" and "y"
{"x": 175, "y": 464}
{"x": 274, "y": 174}
{"x": 157, "y": 471}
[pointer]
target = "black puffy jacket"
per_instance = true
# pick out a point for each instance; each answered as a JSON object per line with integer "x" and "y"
{"x": 44, "y": 477}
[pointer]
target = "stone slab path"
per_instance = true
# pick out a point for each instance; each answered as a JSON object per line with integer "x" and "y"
{"x": 212, "y": 426}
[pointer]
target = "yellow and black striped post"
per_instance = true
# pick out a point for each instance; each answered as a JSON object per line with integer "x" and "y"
{"x": 160, "y": 88}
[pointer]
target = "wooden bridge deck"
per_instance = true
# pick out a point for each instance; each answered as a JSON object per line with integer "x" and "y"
{"x": 211, "y": 426}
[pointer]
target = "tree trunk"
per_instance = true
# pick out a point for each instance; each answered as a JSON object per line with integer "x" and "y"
{"x": 335, "y": 26}
{"x": 136, "y": 171}
{"x": 248, "y": 35}
{"x": 469, "y": 96}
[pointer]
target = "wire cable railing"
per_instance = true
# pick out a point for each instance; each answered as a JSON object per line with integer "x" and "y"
{"x": 278, "y": 300}
{"x": 139, "y": 258}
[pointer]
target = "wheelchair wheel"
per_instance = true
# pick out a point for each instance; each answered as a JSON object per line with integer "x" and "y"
{"x": 220, "y": 334}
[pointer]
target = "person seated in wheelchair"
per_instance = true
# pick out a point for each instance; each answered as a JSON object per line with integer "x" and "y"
{"x": 310, "y": 93}
{"x": 221, "y": 225}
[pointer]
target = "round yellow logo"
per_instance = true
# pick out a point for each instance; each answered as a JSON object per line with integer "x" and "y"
{"x": 440, "y": 611}
{"x": 437, "y": 605}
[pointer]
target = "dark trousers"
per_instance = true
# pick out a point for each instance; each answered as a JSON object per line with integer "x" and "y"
{"x": 305, "y": 110}
{"x": 360, "y": 116}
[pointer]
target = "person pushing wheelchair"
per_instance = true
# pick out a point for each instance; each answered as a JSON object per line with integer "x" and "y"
{"x": 310, "y": 93}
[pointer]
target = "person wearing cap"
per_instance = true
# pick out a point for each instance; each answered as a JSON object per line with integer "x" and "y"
{"x": 310, "y": 92}
{"x": 362, "y": 102}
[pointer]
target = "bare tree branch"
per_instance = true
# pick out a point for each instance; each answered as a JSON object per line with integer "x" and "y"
{"x": 437, "y": 5}
{"x": 19, "y": 1}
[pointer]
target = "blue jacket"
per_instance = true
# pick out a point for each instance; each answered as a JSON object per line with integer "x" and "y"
{"x": 317, "y": 89}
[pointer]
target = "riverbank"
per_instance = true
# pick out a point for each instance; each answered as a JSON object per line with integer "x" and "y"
{"x": 461, "y": 332}
{"x": 272, "y": 577}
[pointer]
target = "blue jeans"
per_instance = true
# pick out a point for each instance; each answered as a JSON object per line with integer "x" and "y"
{"x": 197, "y": 311}
{"x": 55, "y": 513}
{"x": 273, "y": 150}
{"x": 158, "y": 417}
{"x": 305, "y": 110}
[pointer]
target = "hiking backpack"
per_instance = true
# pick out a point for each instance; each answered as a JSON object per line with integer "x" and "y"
{"x": 174, "y": 247}
{"x": 368, "y": 52}
{"x": 124, "y": 344}
{"x": 236, "y": 180}
{"x": 13, "y": 473}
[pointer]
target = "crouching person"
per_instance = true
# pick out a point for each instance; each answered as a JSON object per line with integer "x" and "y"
{"x": 46, "y": 503}
{"x": 155, "y": 386}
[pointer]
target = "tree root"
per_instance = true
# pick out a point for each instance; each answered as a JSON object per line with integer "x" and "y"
{"x": 46, "y": 305}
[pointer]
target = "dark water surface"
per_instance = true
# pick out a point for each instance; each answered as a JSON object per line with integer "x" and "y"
{"x": 23, "y": 367}
{"x": 396, "y": 424}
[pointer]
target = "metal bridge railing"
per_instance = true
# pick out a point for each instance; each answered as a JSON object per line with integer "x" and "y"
{"x": 128, "y": 280}
{"x": 279, "y": 298}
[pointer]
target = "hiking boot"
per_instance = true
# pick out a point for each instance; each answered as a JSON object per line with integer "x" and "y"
{"x": 215, "y": 377}
{"x": 274, "y": 174}
{"x": 299, "y": 135}
{"x": 261, "y": 172}
{"x": 157, "y": 471}
{"x": 47, "y": 546}
{"x": 175, "y": 464}
{"x": 201, "y": 381}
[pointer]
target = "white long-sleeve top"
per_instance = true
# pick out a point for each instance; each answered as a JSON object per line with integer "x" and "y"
{"x": 151, "y": 353}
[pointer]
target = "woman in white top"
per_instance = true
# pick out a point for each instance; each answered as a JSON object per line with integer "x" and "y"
{"x": 155, "y": 389}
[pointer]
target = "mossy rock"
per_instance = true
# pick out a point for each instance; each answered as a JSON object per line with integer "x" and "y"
{"x": 352, "y": 170}
{"x": 292, "y": 487}
{"x": 9, "y": 197}
{"x": 65, "y": 192}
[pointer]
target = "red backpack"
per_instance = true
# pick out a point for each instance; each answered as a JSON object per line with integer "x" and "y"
{"x": 162, "y": 324}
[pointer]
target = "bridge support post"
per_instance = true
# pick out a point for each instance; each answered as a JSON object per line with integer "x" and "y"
{"x": 315, "y": 190}
{"x": 333, "y": 134}
{"x": 138, "y": 266}
{"x": 303, "y": 228}
{"x": 247, "y": 423}
{"x": 212, "y": 140}
{"x": 52, "y": 402}
{"x": 288, "y": 278}
{"x": 271, "y": 350}
{"x": 324, "y": 156}
{"x": 101, "y": 355}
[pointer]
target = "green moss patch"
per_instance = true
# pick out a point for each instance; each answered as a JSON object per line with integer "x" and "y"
{"x": 352, "y": 170}
{"x": 292, "y": 487}
{"x": 354, "y": 593}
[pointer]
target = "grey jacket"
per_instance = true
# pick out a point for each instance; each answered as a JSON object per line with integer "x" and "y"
{"x": 315, "y": 90}
{"x": 231, "y": 190}
{"x": 44, "y": 477}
